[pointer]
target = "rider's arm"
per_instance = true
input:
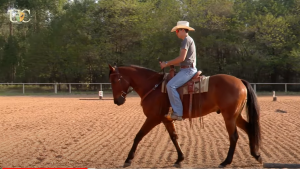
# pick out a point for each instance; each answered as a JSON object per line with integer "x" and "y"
{"x": 179, "y": 59}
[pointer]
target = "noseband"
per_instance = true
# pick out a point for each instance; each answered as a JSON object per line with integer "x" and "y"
{"x": 120, "y": 77}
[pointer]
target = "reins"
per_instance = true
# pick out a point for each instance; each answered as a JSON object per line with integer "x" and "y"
{"x": 121, "y": 77}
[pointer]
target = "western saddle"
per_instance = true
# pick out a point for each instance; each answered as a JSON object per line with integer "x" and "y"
{"x": 190, "y": 86}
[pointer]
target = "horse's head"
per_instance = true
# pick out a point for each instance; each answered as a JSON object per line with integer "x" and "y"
{"x": 119, "y": 84}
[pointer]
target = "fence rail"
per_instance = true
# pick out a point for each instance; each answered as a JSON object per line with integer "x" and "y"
{"x": 101, "y": 85}
{"x": 285, "y": 85}
{"x": 56, "y": 84}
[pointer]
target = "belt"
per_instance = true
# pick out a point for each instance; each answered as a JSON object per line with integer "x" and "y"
{"x": 187, "y": 66}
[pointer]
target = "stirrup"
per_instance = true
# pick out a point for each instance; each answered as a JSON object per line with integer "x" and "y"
{"x": 175, "y": 117}
{"x": 168, "y": 116}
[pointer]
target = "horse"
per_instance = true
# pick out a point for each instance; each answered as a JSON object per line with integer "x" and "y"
{"x": 226, "y": 95}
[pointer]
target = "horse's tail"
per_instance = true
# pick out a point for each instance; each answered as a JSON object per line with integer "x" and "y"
{"x": 253, "y": 112}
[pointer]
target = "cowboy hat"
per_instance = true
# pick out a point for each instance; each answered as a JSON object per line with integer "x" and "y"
{"x": 182, "y": 25}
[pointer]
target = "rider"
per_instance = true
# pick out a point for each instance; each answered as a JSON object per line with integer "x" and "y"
{"x": 187, "y": 62}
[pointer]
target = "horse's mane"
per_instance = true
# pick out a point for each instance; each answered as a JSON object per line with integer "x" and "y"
{"x": 141, "y": 67}
{"x": 136, "y": 66}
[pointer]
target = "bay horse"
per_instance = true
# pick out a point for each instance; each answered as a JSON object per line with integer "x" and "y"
{"x": 226, "y": 94}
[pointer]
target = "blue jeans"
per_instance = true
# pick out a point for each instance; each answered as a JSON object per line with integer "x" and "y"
{"x": 177, "y": 81}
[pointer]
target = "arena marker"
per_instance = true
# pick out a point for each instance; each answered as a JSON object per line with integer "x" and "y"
{"x": 274, "y": 97}
{"x": 100, "y": 95}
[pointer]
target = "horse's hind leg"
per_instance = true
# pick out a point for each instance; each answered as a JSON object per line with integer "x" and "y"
{"x": 147, "y": 126}
{"x": 244, "y": 125}
{"x": 233, "y": 137}
{"x": 171, "y": 129}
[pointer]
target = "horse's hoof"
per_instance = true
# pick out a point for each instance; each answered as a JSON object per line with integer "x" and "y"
{"x": 224, "y": 164}
{"x": 126, "y": 165}
{"x": 221, "y": 166}
{"x": 259, "y": 159}
{"x": 177, "y": 165}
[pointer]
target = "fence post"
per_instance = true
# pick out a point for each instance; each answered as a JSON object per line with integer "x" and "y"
{"x": 285, "y": 85}
{"x": 23, "y": 88}
{"x": 55, "y": 88}
{"x": 100, "y": 92}
{"x": 70, "y": 89}
{"x": 274, "y": 97}
{"x": 255, "y": 88}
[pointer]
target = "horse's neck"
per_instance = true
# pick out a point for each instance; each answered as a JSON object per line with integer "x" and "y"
{"x": 147, "y": 84}
{"x": 142, "y": 81}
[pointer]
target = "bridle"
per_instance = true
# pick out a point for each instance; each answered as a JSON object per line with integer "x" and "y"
{"x": 120, "y": 77}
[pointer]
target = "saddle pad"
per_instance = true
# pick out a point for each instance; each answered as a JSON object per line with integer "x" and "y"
{"x": 204, "y": 86}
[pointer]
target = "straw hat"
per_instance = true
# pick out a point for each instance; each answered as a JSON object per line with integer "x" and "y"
{"x": 182, "y": 25}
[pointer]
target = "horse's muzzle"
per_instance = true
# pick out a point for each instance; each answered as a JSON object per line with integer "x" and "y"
{"x": 119, "y": 101}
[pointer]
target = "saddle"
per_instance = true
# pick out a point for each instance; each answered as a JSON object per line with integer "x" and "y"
{"x": 195, "y": 86}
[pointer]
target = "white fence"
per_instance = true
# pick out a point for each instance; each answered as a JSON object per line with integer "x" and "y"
{"x": 101, "y": 85}
{"x": 285, "y": 85}
{"x": 56, "y": 84}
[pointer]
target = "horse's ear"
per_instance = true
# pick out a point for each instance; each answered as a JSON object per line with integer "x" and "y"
{"x": 111, "y": 68}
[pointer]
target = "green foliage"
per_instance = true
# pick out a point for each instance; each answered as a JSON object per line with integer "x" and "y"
{"x": 74, "y": 41}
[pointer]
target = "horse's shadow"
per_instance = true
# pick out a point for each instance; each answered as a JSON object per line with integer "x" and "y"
{"x": 265, "y": 165}
{"x": 280, "y": 165}
{"x": 280, "y": 111}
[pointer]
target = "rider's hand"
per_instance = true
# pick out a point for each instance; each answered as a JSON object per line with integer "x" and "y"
{"x": 162, "y": 65}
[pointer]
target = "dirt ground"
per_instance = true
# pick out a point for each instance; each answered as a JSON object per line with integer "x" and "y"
{"x": 82, "y": 131}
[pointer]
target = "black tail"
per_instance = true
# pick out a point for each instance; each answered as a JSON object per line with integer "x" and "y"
{"x": 253, "y": 112}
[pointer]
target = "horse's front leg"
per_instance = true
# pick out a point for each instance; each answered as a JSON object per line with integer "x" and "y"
{"x": 171, "y": 129}
{"x": 148, "y": 125}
